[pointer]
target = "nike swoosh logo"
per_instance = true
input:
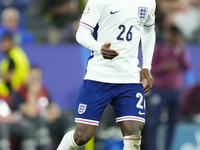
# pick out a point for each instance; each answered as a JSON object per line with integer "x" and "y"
{"x": 111, "y": 12}
{"x": 140, "y": 113}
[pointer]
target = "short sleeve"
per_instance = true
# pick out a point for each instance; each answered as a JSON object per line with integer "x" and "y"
{"x": 151, "y": 17}
{"x": 92, "y": 14}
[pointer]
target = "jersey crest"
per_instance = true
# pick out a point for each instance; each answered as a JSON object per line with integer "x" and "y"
{"x": 82, "y": 108}
{"x": 142, "y": 13}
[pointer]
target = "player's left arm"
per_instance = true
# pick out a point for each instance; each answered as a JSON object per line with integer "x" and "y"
{"x": 148, "y": 43}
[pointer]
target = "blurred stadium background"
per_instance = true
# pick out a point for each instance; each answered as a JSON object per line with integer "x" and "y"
{"x": 46, "y": 32}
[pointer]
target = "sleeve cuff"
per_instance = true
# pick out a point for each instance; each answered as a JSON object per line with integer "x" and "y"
{"x": 98, "y": 47}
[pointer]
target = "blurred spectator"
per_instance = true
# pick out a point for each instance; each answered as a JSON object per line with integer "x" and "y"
{"x": 64, "y": 14}
{"x": 20, "y": 5}
{"x": 11, "y": 125}
{"x": 33, "y": 101}
{"x": 62, "y": 11}
{"x": 176, "y": 12}
{"x": 10, "y": 23}
{"x": 168, "y": 65}
{"x": 190, "y": 106}
{"x": 14, "y": 66}
{"x": 167, "y": 5}
{"x": 164, "y": 14}
{"x": 191, "y": 14}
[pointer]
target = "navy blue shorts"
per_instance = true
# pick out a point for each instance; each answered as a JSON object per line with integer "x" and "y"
{"x": 127, "y": 101}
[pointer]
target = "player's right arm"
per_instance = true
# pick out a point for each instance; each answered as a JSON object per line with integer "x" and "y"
{"x": 85, "y": 38}
{"x": 89, "y": 20}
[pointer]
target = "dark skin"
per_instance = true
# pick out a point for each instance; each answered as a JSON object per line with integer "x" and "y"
{"x": 145, "y": 74}
{"x": 85, "y": 132}
{"x": 108, "y": 53}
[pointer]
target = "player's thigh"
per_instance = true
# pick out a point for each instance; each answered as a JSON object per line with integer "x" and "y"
{"x": 92, "y": 99}
{"x": 131, "y": 127}
{"x": 130, "y": 103}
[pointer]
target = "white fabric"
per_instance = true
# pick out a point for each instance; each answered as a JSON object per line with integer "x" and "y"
{"x": 132, "y": 142}
{"x": 68, "y": 142}
{"x": 84, "y": 36}
{"x": 148, "y": 43}
{"x": 120, "y": 24}
{"x": 188, "y": 21}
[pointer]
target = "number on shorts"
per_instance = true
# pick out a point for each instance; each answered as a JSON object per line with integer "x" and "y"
{"x": 139, "y": 104}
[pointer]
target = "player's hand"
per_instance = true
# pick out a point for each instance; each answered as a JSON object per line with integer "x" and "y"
{"x": 146, "y": 79}
{"x": 108, "y": 53}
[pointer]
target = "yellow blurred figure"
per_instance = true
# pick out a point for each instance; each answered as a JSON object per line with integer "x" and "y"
{"x": 14, "y": 67}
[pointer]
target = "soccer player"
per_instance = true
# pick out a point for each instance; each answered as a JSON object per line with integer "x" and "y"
{"x": 113, "y": 75}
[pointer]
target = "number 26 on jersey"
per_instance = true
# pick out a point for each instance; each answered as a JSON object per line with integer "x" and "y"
{"x": 125, "y": 35}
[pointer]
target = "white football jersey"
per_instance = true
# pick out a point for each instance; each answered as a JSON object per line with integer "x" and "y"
{"x": 121, "y": 23}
